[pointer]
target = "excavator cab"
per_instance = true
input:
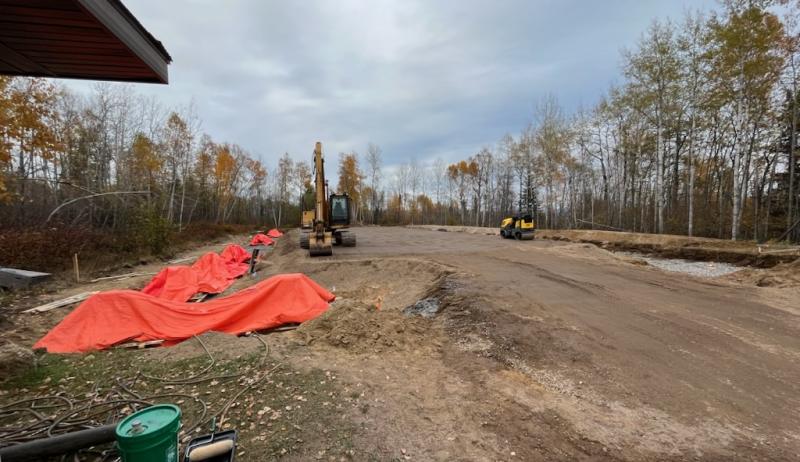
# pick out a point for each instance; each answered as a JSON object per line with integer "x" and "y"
{"x": 340, "y": 210}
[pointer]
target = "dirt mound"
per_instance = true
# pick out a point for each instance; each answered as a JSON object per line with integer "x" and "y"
{"x": 781, "y": 276}
{"x": 361, "y": 328}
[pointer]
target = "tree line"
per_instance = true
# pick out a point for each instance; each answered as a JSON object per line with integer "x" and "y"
{"x": 115, "y": 159}
{"x": 699, "y": 138}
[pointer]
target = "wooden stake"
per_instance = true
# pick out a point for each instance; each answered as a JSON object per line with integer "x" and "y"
{"x": 76, "y": 268}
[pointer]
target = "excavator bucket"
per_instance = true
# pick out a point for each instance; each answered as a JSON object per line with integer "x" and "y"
{"x": 320, "y": 247}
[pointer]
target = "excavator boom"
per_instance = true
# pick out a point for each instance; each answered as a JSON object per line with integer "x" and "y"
{"x": 320, "y": 241}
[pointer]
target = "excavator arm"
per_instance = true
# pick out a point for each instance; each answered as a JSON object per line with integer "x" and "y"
{"x": 320, "y": 241}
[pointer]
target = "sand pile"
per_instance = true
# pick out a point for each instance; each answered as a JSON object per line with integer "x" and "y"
{"x": 361, "y": 328}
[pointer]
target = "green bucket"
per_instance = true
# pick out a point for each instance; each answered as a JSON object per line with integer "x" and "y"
{"x": 150, "y": 435}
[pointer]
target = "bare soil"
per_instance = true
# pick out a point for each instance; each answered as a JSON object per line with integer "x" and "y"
{"x": 541, "y": 350}
{"x": 742, "y": 252}
{"x": 556, "y": 351}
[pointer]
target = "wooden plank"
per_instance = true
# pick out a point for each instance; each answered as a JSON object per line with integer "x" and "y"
{"x": 198, "y": 297}
{"x": 121, "y": 276}
{"x": 181, "y": 260}
{"x": 59, "y": 303}
{"x": 140, "y": 345}
{"x": 284, "y": 328}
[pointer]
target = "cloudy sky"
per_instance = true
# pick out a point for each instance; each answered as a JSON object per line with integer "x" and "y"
{"x": 421, "y": 78}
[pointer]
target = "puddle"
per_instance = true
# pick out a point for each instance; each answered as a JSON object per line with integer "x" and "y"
{"x": 703, "y": 269}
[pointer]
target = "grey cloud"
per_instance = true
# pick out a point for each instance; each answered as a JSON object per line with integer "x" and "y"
{"x": 422, "y": 79}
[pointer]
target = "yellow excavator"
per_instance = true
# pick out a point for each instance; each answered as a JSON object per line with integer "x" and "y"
{"x": 331, "y": 215}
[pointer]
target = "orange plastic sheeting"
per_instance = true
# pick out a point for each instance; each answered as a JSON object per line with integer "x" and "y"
{"x": 117, "y": 316}
{"x": 211, "y": 273}
{"x": 177, "y": 283}
{"x": 235, "y": 253}
{"x": 261, "y": 239}
{"x": 274, "y": 233}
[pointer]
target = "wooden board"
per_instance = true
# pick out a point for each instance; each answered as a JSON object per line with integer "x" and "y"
{"x": 59, "y": 303}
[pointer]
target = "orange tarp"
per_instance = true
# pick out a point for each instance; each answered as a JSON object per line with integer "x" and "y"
{"x": 261, "y": 239}
{"x": 212, "y": 274}
{"x": 235, "y": 253}
{"x": 274, "y": 233}
{"x": 117, "y": 316}
{"x": 177, "y": 283}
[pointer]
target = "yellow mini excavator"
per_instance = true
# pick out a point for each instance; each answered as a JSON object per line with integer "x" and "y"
{"x": 331, "y": 215}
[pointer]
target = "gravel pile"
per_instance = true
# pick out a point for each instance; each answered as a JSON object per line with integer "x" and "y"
{"x": 695, "y": 268}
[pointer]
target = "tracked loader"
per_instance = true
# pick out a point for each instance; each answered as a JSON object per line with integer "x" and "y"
{"x": 331, "y": 215}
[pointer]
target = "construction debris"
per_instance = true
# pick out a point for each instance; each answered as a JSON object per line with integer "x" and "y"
{"x": 59, "y": 303}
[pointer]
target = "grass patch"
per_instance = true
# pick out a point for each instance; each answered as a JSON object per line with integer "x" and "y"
{"x": 48, "y": 368}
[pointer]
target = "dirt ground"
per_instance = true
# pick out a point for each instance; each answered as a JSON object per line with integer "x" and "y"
{"x": 533, "y": 350}
{"x": 741, "y": 252}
